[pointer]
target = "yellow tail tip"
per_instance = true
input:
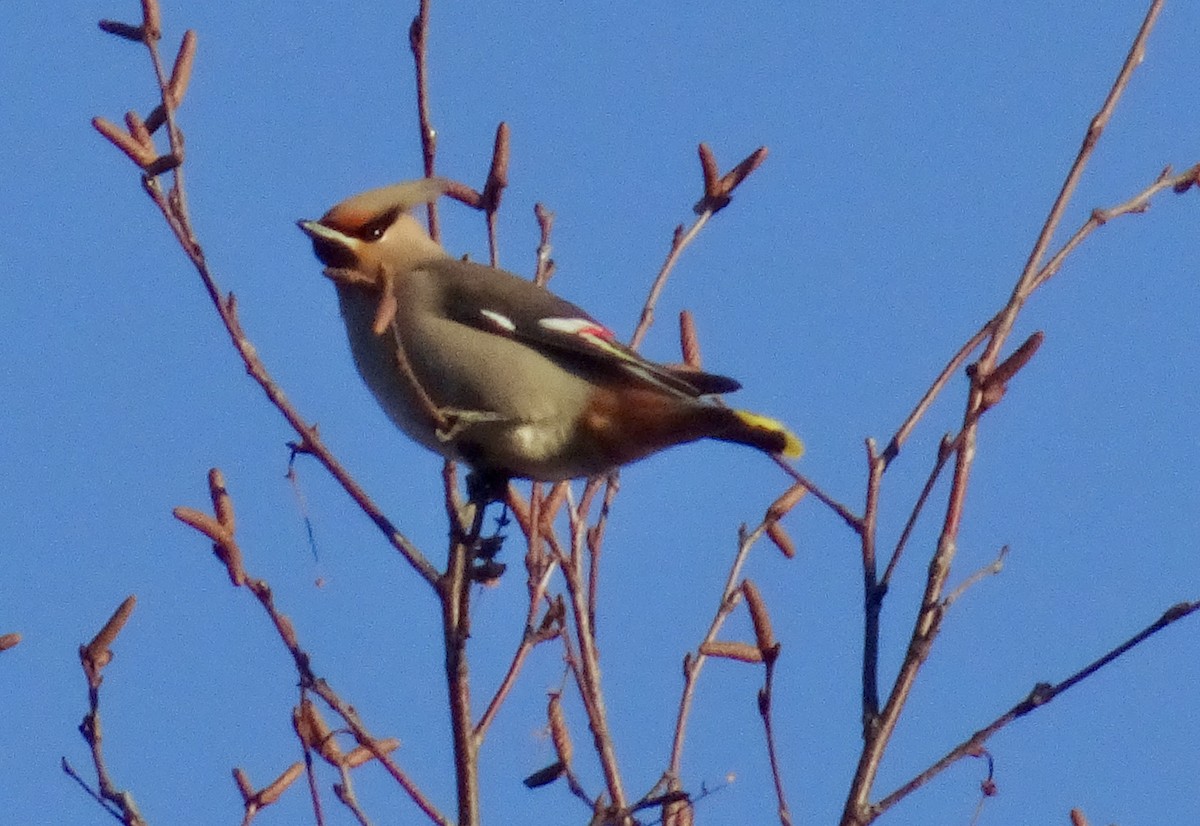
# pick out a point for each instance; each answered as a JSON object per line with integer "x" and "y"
{"x": 792, "y": 447}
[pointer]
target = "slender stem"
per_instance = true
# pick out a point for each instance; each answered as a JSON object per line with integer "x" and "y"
{"x": 173, "y": 206}
{"x": 872, "y": 592}
{"x": 529, "y": 639}
{"x": 1041, "y": 694}
{"x": 730, "y": 595}
{"x": 455, "y": 591}
{"x": 679, "y": 243}
{"x": 588, "y": 674}
{"x": 949, "y": 371}
{"x": 928, "y": 622}
{"x": 418, "y": 40}
{"x": 764, "y": 710}
{"x": 456, "y": 627}
{"x": 946, "y": 449}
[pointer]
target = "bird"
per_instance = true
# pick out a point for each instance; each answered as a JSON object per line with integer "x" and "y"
{"x": 487, "y": 368}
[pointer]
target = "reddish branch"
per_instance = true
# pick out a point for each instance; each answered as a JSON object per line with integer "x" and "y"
{"x": 1041, "y": 694}
{"x": 418, "y": 38}
{"x": 173, "y": 205}
{"x": 220, "y": 528}
{"x": 580, "y": 564}
{"x": 579, "y": 558}
{"x": 989, "y": 378}
{"x": 94, "y": 656}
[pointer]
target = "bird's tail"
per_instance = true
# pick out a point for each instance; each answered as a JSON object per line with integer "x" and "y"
{"x": 762, "y": 432}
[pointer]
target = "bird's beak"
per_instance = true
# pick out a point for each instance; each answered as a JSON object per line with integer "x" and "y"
{"x": 333, "y": 248}
{"x": 317, "y": 231}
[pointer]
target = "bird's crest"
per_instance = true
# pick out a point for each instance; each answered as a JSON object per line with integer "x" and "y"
{"x": 359, "y": 210}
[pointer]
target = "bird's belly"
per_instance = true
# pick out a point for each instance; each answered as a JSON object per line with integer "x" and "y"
{"x": 546, "y": 451}
{"x": 504, "y": 407}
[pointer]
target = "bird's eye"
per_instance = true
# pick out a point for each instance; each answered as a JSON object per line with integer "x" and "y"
{"x": 374, "y": 229}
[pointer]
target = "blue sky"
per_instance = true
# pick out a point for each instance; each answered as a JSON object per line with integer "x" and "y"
{"x": 913, "y": 156}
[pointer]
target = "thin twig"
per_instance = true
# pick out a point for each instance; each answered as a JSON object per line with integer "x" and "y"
{"x": 946, "y": 448}
{"x": 948, "y": 372}
{"x": 769, "y": 650}
{"x": 345, "y": 793}
{"x": 1041, "y": 694}
{"x": 545, "y": 264}
{"x": 94, "y": 656}
{"x": 717, "y": 192}
{"x": 853, "y": 520}
{"x": 173, "y": 206}
{"x": 454, "y": 590}
{"x": 418, "y": 41}
{"x": 588, "y": 672}
{"x": 991, "y": 569}
{"x": 872, "y": 593}
{"x": 857, "y": 810}
{"x": 220, "y": 530}
{"x": 1136, "y": 205}
{"x": 531, "y": 637}
{"x": 679, "y": 242}
{"x": 764, "y": 710}
{"x": 693, "y": 663}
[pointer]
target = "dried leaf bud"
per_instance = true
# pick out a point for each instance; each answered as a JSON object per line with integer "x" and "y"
{"x": 139, "y": 132}
{"x": 497, "y": 178}
{"x": 689, "y": 344}
{"x": 123, "y": 30}
{"x": 151, "y": 19}
{"x": 361, "y": 754}
{"x": 181, "y": 72}
{"x": 786, "y": 502}
{"x": 315, "y": 733}
{"x": 742, "y": 171}
{"x": 222, "y": 502}
{"x": 243, "y": 784}
{"x": 741, "y": 651}
{"x": 780, "y": 538}
{"x": 710, "y": 170}
{"x": 558, "y": 729}
{"x": 121, "y": 139}
{"x": 272, "y": 792}
{"x": 200, "y": 521}
{"x": 100, "y": 643}
{"x": 546, "y": 776}
{"x": 763, "y": 633}
{"x": 1008, "y": 368}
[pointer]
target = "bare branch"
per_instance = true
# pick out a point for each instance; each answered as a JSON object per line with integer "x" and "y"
{"x": 1041, "y": 694}
{"x": 418, "y": 39}
{"x": 94, "y": 656}
{"x": 879, "y": 728}
{"x": 991, "y": 569}
{"x": 309, "y": 681}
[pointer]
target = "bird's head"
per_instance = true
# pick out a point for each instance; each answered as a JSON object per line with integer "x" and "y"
{"x": 375, "y": 231}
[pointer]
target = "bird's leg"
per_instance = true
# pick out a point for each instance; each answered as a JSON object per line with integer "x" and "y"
{"x": 482, "y": 489}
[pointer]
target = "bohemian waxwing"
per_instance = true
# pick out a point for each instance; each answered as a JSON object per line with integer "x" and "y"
{"x": 485, "y": 367}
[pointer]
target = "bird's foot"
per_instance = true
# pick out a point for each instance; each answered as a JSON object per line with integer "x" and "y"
{"x": 455, "y": 422}
{"x": 484, "y": 488}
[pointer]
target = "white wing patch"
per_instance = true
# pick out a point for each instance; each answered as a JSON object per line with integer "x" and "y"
{"x": 576, "y": 327}
{"x": 603, "y": 339}
{"x": 502, "y": 321}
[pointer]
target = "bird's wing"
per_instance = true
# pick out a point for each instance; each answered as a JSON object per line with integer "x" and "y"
{"x": 507, "y": 305}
